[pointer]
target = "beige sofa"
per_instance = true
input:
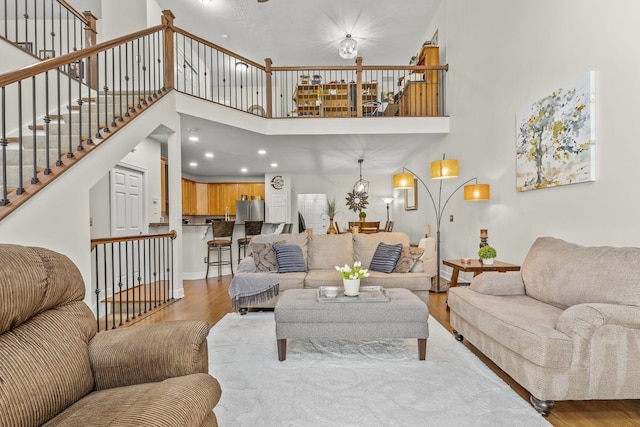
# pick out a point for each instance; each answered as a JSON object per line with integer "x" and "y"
{"x": 566, "y": 327}
{"x": 55, "y": 369}
{"x": 323, "y": 252}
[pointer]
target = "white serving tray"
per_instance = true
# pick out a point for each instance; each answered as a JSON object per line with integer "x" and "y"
{"x": 367, "y": 294}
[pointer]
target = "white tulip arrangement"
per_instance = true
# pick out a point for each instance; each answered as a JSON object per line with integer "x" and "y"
{"x": 353, "y": 273}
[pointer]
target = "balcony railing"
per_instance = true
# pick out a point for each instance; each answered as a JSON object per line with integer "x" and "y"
{"x": 211, "y": 72}
{"x": 46, "y": 28}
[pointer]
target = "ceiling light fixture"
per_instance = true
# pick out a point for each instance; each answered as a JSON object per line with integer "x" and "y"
{"x": 244, "y": 170}
{"x": 193, "y": 164}
{"x": 362, "y": 185}
{"x": 262, "y": 152}
{"x": 194, "y": 138}
{"x": 348, "y": 48}
{"x": 208, "y": 155}
{"x": 274, "y": 165}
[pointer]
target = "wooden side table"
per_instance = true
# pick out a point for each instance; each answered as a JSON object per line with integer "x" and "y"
{"x": 476, "y": 267}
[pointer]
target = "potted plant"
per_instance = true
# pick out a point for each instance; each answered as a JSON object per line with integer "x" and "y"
{"x": 487, "y": 254}
{"x": 362, "y": 215}
{"x": 351, "y": 277}
{"x": 331, "y": 212}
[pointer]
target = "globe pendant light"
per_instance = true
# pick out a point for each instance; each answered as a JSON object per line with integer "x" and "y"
{"x": 362, "y": 185}
{"x": 348, "y": 48}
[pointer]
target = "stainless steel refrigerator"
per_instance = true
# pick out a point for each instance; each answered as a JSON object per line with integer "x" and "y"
{"x": 249, "y": 210}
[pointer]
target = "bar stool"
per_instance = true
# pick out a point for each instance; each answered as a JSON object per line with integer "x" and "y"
{"x": 222, "y": 239}
{"x": 251, "y": 228}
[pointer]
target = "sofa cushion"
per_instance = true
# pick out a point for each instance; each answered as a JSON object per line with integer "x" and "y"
{"x": 408, "y": 258}
{"x": 300, "y": 239}
{"x": 385, "y": 258}
{"x": 180, "y": 401}
{"x": 322, "y": 277}
{"x": 566, "y": 274}
{"x": 264, "y": 256}
{"x": 520, "y": 323}
{"x": 329, "y": 250}
{"x": 365, "y": 245}
{"x": 290, "y": 259}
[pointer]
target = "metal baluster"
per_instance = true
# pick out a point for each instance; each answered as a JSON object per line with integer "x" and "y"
{"x": 138, "y": 59}
{"x": 35, "y": 27}
{"x": 121, "y": 117}
{"x": 126, "y": 271}
{"x": 144, "y": 72}
{"x": 145, "y": 259}
{"x": 139, "y": 277}
{"x": 90, "y": 98}
{"x": 106, "y": 94}
{"x": 68, "y": 50}
{"x": 34, "y": 143}
{"x": 6, "y": 36}
{"x": 97, "y": 290}
{"x": 4, "y": 201}
{"x": 126, "y": 77}
{"x": 20, "y": 189}
{"x": 113, "y": 89}
{"x": 98, "y": 135}
{"x": 69, "y": 110}
{"x": 148, "y": 67}
{"x": 15, "y": 10}
{"x": 80, "y": 103}
{"x": 119, "y": 282}
{"x": 171, "y": 267}
{"x": 155, "y": 273}
{"x": 26, "y": 25}
{"x": 155, "y": 81}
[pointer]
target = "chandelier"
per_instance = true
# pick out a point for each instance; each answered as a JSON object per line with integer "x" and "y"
{"x": 348, "y": 48}
{"x": 362, "y": 185}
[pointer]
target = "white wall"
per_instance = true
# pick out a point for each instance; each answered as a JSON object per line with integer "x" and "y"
{"x": 504, "y": 55}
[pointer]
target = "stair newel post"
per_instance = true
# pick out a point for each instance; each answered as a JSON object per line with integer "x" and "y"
{"x": 167, "y": 21}
{"x": 4, "y": 201}
{"x": 359, "y": 86}
{"x": 34, "y": 143}
{"x": 269, "y": 77}
{"x": 90, "y": 40}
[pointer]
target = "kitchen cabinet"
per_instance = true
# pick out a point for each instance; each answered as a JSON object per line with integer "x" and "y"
{"x": 188, "y": 197}
{"x": 201, "y": 198}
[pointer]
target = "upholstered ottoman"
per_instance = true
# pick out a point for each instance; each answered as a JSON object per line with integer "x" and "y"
{"x": 299, "y": 315}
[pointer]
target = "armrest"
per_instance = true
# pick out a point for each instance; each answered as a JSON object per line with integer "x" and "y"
{"x": 428, "y": 262}
{"x": 148, "y": 353}
{"x": 496, "y": 283}
{"x": 247, "y": 265}
{"x": 583, "y": 320}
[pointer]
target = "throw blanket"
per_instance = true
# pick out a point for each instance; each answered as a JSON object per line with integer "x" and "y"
{"x": 248, "y": 289}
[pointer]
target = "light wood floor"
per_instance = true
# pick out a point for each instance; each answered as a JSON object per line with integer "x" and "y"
{"x": 209, "y": 300}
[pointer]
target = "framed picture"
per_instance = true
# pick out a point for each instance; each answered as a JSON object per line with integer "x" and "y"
{"x": 46, "y": 53}
{"x": 28, "y": 46}
{"x": 411, "y": 197}
{"x": 76, "y": 69}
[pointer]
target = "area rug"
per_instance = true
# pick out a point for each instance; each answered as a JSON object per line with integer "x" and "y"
{"x": 355, "y": 383}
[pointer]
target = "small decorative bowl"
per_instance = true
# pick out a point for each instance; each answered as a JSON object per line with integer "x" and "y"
{"x": 331, "y": 291}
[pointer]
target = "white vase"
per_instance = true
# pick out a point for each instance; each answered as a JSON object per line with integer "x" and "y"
{"x": 351, "y": 287}
{"x": 487, "y": 261}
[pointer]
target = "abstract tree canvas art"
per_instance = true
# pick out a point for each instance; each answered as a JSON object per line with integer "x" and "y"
{"x": 555, "y": 141}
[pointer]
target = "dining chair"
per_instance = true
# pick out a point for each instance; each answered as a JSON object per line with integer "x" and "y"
{"x": 388, "y": 227}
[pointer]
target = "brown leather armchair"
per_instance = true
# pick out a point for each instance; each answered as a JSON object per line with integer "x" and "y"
{"x": 56, "y": 370}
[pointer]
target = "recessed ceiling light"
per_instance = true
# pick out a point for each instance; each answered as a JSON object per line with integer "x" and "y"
{"x": 225, "y": 36}
{"x": 193, "y": 164}
{"x": 274, "y": 165}
{"x": 244, "y": 170}
{"x": 194, "y": 138}
{"x": 262, "y": 152}
{"x": 208, "y": 155}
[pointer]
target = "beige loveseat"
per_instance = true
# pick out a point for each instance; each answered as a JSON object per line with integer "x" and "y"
{"x": 567, "y": 327}
{"x": 323, "y": 252}
{"x": 56, "y": 371}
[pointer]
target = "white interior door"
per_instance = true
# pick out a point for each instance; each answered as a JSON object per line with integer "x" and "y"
{"x": 313, "y": 208}
{"x": 127, "y": 202}
{"x": 278, "y": 208}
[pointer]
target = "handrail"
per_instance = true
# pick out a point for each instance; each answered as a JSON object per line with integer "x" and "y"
{"x": 60, "y": 61}
{"x": 105, "y": 240}
{"x": 216, "y": 47}
{"x": 72, "y": 10}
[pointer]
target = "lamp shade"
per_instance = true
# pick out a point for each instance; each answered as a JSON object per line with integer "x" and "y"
{"x": 426, "y": 229}
{"x": 478, "y": 192}
{"x": 387, "y": 200}
{"x": 403, "y": 180}
{"x": 443, "y": 169}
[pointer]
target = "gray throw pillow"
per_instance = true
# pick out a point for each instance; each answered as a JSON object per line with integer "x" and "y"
{"x": 408, "y": 259}
{"x": 290, "y": 259}
{"x": 264, "y": 256}
{"x": 385, "y": 258}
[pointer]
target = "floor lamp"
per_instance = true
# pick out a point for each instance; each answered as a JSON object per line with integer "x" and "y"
{"x": 442, "y": 169}
{"x": 387, "y": 200}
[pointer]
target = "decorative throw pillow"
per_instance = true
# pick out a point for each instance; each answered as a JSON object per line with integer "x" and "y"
{"x": 408, "y": 259}
{"x": 385, "y": 258}
{"x": 264, "y": 256}
{"x": 290, "y": 259}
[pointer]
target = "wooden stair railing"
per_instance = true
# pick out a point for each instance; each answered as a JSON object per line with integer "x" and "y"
{"x": 65, "y": 107}
{"x": 132, "y": 277}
